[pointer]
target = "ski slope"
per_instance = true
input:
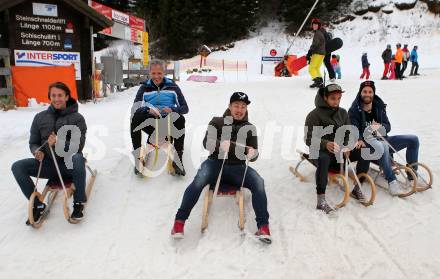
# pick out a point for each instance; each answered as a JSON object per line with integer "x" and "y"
{"x": 126, "y": 232}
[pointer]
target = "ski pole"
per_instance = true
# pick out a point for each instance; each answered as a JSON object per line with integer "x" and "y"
{"x": 217, "y": 184}
{"x": 58, "y": 170}
{"x": 302, "y": 25}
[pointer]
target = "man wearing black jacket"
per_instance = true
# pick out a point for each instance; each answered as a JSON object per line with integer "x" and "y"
{"x": 231, "y": 139}
{"x": 386, "y": 57}
{"x": 46, "y": 126}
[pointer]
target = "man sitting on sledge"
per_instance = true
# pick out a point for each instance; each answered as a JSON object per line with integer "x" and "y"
{"x": 62, "y": 113}
{"x": 368, "y": 112}
{"x": 235, "y": 137}
{"x": 156, "y": 98}
{"x": 325, "y": 147}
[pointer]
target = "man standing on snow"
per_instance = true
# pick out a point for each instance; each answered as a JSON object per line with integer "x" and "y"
{"x": 325, "y": 147}
{"x": 157, "y": 98}
{"x": 316, "y": 54}
{"x": 414, "y": 62}
{"x": 51, "y": 127}
{"x": 328, "y": 55}
{"x": 406, "y": 58}
{"x": 365, "y": 66}
{"x": 232, "y": 140}
{"x": 399, "y": 60}
{"x": 368, "y": 113}
{"x": 387, "y": 55}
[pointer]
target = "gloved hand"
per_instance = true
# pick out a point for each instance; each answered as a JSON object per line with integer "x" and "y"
{"x": 309, "y": 56}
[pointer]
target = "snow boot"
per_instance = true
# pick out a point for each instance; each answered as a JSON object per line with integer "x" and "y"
{"x": 394, "y": 188}
{"x": 178, "y": 167}
{"x": 357, "y": 194}
{"x": 77, "y": 213}
{"x": 37, "y": 211}
{"x": 317, "y": 83}
{"x": 263, "y": 234}
{"x": 178, "y": 229}
{"x": 323, "y": 205}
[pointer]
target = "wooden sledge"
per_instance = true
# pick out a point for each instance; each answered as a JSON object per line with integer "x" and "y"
{"x": 51, "y": 190}
{"x": 341, "y": 180}
{"x": 224, "y": 191}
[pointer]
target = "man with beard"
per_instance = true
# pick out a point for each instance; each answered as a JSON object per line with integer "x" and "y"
{"x": 368, "y": 114}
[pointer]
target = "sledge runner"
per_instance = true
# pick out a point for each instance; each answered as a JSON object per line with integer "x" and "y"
{"x": 157, "y": 98}
{"x": 231, "y": 140}
{"x": 47, "y": 131}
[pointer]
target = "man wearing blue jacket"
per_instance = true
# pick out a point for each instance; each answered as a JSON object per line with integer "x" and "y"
{"x": 157, "y": 98}
{"x": 414, "y": 58}
{"x": 368, "y": 114}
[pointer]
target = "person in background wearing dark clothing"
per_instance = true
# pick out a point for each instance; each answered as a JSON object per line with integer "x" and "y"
{"x": 414, "y": 58}
{"x": 365, "y": 67}
{"x": 406, "y": 57}
{"x": 328, "y": 65}
{"x": 386, "y": 56}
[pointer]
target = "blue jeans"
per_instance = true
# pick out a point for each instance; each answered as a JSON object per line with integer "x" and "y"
{"x": 399, "y": 142}
{"x": 24, "y": 169}
{"x": 338, "y": 72}
{"x": 232, "y": 175}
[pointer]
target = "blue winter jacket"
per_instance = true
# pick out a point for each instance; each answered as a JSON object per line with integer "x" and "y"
{"x": 167, "y": 94}
{"x": 357, "y": 115}
{"x": 414, "y": 56}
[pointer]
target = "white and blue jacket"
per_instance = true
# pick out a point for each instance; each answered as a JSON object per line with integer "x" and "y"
{"x": 167, "y": 94}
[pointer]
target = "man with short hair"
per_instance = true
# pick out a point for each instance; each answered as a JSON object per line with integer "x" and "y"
{"x": 158, "y": 98}
{"x": 233, "y": 148}
{"x": 368, "y": 114}
{"x": 327, "y": 146}
{"x": 399, "y": 60}
{"x": 414, "y": 58}
{"x": 63, "y": 111}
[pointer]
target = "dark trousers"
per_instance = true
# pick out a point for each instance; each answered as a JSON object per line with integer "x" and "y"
{"x": 24, "y": 169}
{"x": 328, "y": 65}
{"x": 404, "y": 66}
{"x": 414, "y": 68}
{"x": 232, "y": 175}
{"x": 398, "y": 71}
{"x": 327, "y": 161}
{"x": 136, "y": 136}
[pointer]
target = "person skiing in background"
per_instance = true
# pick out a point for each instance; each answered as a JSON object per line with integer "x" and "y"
{"x": 62, "y": 112}
{"x": 328, "y": 54}
{"x": 336, "y": 66}
{"x": 316, "y": 53}
{"x": 233, "y": 149}
{"x": 365, "y": 66}
{"x": 386, "y": 56}
{"x": 414, "y": 58}
{"x": 398, "y": 57}
{"x": 406, "y": 57}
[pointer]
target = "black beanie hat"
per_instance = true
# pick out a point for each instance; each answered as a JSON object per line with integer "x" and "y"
{"x": 368, "y": 83}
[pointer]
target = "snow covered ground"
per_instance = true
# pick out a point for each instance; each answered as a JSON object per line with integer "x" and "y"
{"x": 127, "y": 226}
{"x": 126, "y": 232}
